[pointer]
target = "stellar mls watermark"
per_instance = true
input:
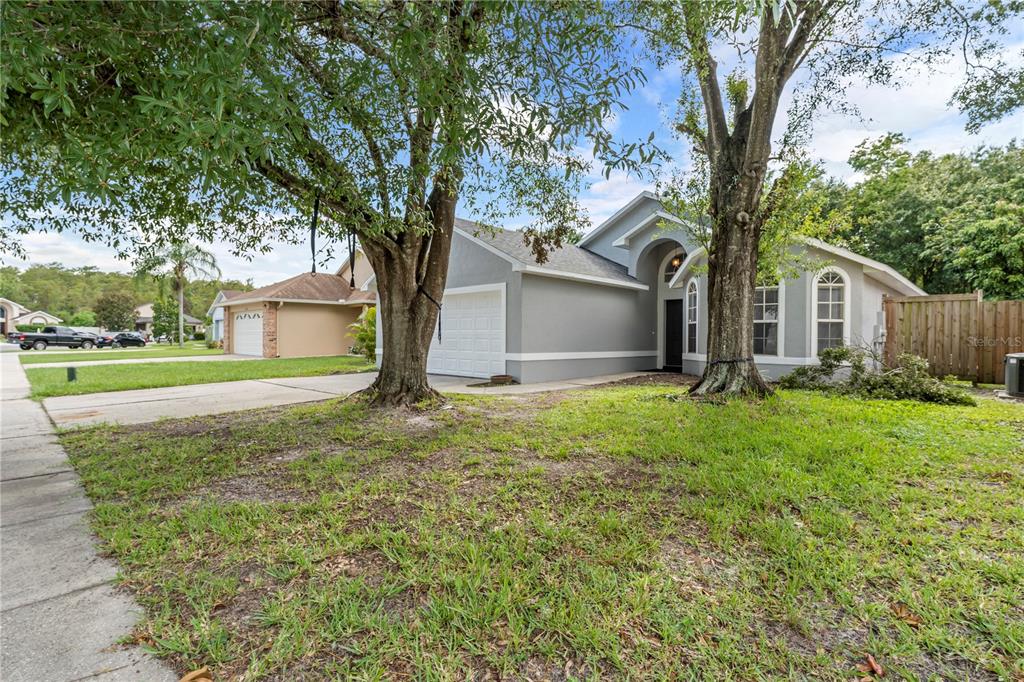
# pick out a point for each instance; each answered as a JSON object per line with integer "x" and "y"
{"x": 993, "y": 341}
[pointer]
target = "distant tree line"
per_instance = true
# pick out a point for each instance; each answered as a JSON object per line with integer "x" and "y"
{"x": 74, "y": 294}
{"x": 952, "y": 223}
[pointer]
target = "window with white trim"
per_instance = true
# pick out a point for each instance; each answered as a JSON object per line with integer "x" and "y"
{"x": 830, "y": 310}
{"x": 766, "y": 321}
{"x": 691, "y": 317}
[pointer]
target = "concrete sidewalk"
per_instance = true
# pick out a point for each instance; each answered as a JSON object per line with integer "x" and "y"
{"x": 151, "y": 404}
{"x": 60, "y": 616}
{"x": 139, "y": 361}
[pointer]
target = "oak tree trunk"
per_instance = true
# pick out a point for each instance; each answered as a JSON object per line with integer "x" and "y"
{"x": 411, "y": 270}
{"x": 407, "y": 319}
{"x": 732, "y": 276}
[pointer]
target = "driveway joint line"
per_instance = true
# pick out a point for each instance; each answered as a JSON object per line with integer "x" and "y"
{"x": 27, "y": 435}
{"x": 77, "y": 590}
{"x": 47, "y": 473}
{"x": 297, "y": 388}
{"x": 82, "y": 512}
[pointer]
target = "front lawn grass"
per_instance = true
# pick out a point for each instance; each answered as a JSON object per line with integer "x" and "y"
{"x": 117, "y": 354}
{"x": 52, "y": 381}
{"x": 618, "y": 532}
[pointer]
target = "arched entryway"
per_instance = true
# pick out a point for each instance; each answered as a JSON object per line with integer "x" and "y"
{"x": 656, "y": 267}
{"x": 6, "y": 315}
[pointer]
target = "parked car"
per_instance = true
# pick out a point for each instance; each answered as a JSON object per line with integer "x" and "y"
{"x": 120, "y": 340}
{"x": 54, "y": 336}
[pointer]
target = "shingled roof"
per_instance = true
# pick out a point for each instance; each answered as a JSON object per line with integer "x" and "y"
{"x": 570, "y": 259}
{"x": 315, "y": 288}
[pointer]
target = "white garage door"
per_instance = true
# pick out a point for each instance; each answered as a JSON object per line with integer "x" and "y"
{"x": 247, "y": 328}
{"x": 472, "y": 335}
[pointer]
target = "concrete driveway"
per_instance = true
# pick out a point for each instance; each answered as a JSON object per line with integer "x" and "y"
{"x": 151, "y": 404}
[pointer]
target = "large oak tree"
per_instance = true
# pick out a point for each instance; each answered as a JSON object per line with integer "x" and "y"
{"x": 159, "y": 122}
{"x": 731, "y": 118}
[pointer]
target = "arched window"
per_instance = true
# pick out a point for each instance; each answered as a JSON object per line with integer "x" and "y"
{"x": 672, "y": 265}
{"x": 830, "y": 310}
{"x": 691, "y": 316}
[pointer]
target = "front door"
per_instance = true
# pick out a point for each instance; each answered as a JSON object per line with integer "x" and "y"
{"x": 674, "y": 335}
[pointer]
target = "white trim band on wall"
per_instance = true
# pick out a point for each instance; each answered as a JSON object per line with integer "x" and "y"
{"x": 759, "y": 359}
{"x": 587, "y": 355}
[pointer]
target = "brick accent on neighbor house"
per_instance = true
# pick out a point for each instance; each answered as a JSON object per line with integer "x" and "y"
{"x": 8, "y": 326}
{"x": 270, "y": 330}
{"x": 226, "y": 334}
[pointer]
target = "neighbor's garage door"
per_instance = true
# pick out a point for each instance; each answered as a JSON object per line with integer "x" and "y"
{"x": 247, "y": 328}
{"x": 472, "y": 335}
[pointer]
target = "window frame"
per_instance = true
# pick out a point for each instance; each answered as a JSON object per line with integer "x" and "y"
{"x": 778, "y": 321}
{"x": 694, "y": 286}
{"x": 845, "y": 300}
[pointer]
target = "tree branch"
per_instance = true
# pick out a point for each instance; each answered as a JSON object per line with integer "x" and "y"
{"x": 698, "y": 136}
{"x": 707, "y": 74}
{"x": 318, "y": 75}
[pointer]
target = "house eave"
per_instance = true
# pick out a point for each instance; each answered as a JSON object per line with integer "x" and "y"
{"x": 576, "y": 277}
{"x": 623, "y": 241}
{"x": 267, "y": 299}
{"x": 873, "y": 268}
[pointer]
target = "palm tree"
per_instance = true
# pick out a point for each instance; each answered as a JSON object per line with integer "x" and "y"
{"x": 174, "y": 265}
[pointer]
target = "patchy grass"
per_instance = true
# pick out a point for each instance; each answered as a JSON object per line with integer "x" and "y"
{"x": 608, "y": 533}
{"x": 151, "y": 352}
{"x": 52, "y": 381}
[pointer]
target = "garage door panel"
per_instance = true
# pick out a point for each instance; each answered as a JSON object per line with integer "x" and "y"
{"x": 247, "y": 330}
{"x": 473, "y": 335}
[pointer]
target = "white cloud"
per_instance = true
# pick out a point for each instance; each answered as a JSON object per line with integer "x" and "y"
{"x": 50, "y": 247}
{"x": 281, "y": 262}
{"x": 919, "y": 108}
{"x": 605, "y": 197}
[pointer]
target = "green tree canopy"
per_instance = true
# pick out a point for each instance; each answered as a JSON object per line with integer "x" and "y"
{"x": 950, "y": 222}
{"x": 115, "y": 310}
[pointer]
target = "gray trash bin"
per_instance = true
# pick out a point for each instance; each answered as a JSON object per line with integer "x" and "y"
{"x": 1014, "y": 364}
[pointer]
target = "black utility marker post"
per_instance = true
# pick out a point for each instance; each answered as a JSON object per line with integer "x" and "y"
{"x": 72, "y": 374}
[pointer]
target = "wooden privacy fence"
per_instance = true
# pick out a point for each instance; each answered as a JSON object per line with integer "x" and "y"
{"x": 958, "y": 334}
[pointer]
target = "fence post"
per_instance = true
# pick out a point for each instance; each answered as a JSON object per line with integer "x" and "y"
{"x": 889, "y": 318}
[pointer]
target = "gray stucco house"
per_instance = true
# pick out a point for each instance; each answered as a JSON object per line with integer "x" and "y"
{"x": 630, "y": 296}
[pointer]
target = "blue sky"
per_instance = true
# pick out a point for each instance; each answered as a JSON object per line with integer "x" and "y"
{"x": 919, "y": 110}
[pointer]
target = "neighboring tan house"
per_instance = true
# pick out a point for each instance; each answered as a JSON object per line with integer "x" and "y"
{"x": 216, "y": 313}
{"x": 363, "y": 278}
{"x": 37, "y": 317}
{"x": 632, "y": 296}
{"x": 306, "y": 315}
{"x": 144, "y": 321}
{"x": 9, "y": 311}
{"x": 12, "y": 314}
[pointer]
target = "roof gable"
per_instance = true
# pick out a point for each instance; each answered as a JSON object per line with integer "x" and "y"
{"x": 569, "y": 261}
{"x": 307, "y": 287}
{"x": 613, "y": 220}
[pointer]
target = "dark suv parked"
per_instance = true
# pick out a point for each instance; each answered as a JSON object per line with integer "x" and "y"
{"x": 120, "y": 340}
